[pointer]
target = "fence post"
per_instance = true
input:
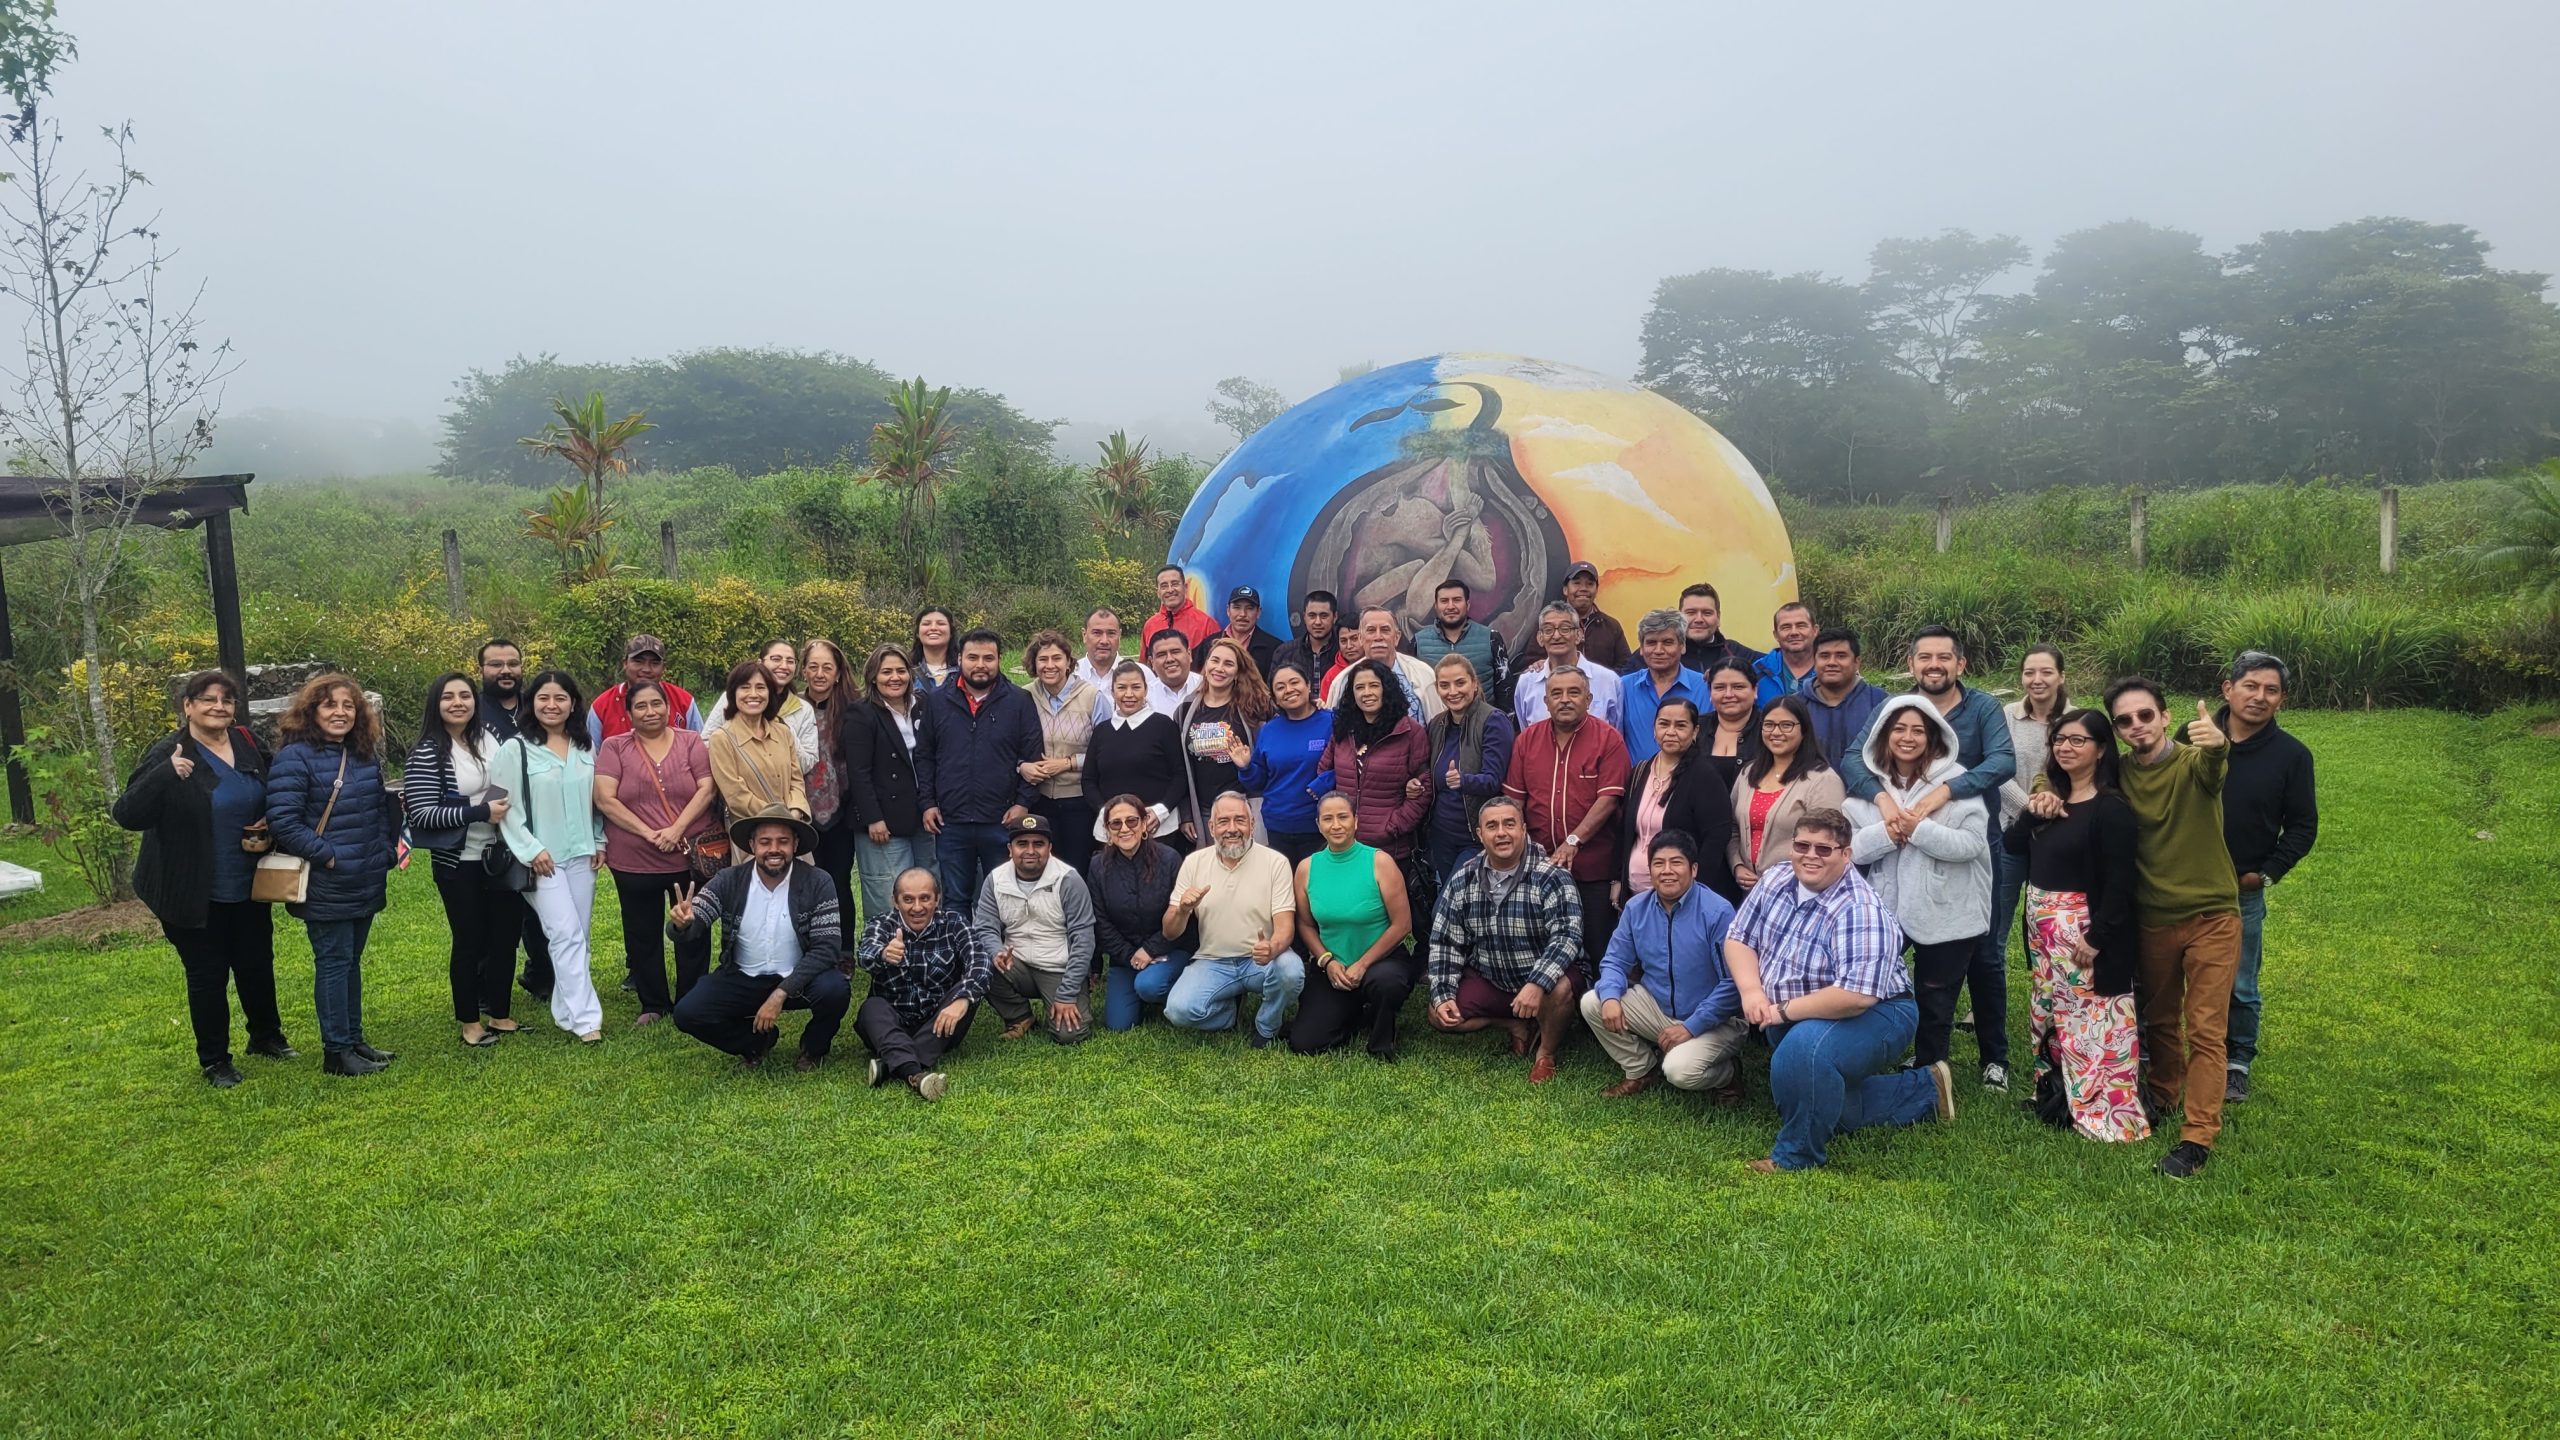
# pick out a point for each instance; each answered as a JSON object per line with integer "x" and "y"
{"x": 1946, "y": 522}
{"x": 454, "y": 605}
{"x": 667, "y": 548}
{"x": 2141, "y": 527}
{"x": 2390, "y": 528}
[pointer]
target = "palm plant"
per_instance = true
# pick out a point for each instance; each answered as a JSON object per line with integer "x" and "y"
{"x": 1121, "y": 481}
{"x": 575, "y": 521}
{"x": 574, "y": 527}
{"x": 911, "y": 454}
{"x": 2526, "y": 549}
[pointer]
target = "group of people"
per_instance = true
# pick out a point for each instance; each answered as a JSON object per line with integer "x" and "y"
{"x": 1681, "y": 842}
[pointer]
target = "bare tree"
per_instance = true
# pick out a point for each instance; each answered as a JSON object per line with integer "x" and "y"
{"x": 111, "y": 394}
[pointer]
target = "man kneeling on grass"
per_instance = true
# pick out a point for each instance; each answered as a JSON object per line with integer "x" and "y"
{"x": 1664, "y": 1007}
{"x": 1818, "y": 960}
{"x": 1506, "y": 939}
{"x": 928, "y": 971}
{"x": 780, "y": 941}
{"x": 1036, "y": 917}
{"x": 1246, "y": 901}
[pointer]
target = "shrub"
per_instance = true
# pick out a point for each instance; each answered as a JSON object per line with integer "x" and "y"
{"x": 711, "y": 626}
{"x": 2159, "y": 633}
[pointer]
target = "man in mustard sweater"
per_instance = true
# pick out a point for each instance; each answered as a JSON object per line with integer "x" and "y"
{"x": 2187, "y": 898}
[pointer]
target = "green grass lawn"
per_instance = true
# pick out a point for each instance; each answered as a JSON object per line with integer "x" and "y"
{"x": 1161, "y": 1234}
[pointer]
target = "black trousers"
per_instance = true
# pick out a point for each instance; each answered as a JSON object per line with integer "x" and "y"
{"x": 1599, "y": 922}
{"x": 720, "y": 1012}
{"x": 903, "y": 1049}
{"x": 1074, "y": 818}
{"x": 834, "y": 857}
{"x": 1937, "y": 973}
{"x": 537, "y": 956}
{"x": 1328, "y": 1017}
{"x": 236, "y": 945}
{"x": 644, "y": 898}
{"x": 484, "y": 917}
{"x": 1295, "y": 845}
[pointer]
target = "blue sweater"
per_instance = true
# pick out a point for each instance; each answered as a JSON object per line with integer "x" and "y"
{"x": 1287, "y": 754}
{"x": 1680, "y": 957}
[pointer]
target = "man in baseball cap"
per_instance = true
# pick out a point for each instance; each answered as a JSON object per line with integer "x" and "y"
{"x": 1036, "y": 918}
{"x": 1244, "y": 626}
{"x": 1603, "y": 638}
{"x": 644, "y": 657}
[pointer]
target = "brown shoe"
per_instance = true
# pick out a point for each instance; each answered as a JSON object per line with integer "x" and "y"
{"x": 1542, "y": 1069}
{"x": 1017, "y": 1029}
{"x": 806, "y": 1063}
{"x": 1635, "y": 1086}
{"x": 1764, "y": 1165}
{"x": 1729, "y": 1096}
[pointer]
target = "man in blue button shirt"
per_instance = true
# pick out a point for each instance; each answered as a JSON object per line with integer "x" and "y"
{"x": 1665, "y": 1009}
{"x": 1659, "y": 639}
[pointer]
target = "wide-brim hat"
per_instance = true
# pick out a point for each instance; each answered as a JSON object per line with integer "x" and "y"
{"x": 742, "y": 829}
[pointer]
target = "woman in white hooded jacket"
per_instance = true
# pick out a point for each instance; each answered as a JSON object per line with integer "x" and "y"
{"x": 1937, "y": 875}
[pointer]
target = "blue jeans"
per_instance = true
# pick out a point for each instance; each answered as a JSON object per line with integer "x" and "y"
{"x": 2243, "y": 1042}
{"x": 1124, "y": 989}
{"x": 968, "y": 849}
{"x": 1203, "y": 997}
{"x": 1834, "y": 1076}
{"x": 880, "y": 863}
{"x": 337, "y": 979}
{"x": 1988, "y": 976}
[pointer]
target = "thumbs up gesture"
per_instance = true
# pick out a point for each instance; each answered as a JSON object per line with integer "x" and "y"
{"x": 2204, "y": 734}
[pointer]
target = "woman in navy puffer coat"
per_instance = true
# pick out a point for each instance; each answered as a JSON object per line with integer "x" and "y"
{"x": 331, "y": 762}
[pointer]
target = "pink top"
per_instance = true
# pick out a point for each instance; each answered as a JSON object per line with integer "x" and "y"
{"x": 1649, "y": 807}
{"x": 686, "y": 768}
{"x": 1762, "y": 802}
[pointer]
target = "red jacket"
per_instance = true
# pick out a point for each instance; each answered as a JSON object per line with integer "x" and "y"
{"x": 1389, "y": 818}
{"x": 609, "y": 716}
{"x": 1191, "y": 620}
{"x": 1558, "y": 783}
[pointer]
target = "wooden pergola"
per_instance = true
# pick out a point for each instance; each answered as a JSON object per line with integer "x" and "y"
{"x": 34, "y": 507}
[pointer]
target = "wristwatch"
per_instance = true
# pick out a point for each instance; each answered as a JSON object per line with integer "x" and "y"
{"x": 1782, "y": 1011}
{"x": 1573, "y": 840}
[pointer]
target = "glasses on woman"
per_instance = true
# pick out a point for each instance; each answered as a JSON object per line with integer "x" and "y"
{"x": 1123, "y": 822}
{"x": 1816, "y": 850}
{"x": 2074, "y": 741}
{"x": 1779, "y": 727}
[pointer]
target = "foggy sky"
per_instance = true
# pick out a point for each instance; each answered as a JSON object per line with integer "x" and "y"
{"x": 1101, "y": 209}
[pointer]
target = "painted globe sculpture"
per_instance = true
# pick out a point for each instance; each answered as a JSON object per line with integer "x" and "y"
{"x": 1496, "y": 470}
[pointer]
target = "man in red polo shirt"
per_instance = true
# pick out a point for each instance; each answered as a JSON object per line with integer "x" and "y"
{"x": 1569, "y": 772}
{"x": 1173, "y": 592}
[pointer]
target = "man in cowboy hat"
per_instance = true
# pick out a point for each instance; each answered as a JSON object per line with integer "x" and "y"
{"x": 780, "y": 939}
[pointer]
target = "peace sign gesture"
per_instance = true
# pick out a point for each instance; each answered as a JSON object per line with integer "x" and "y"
{"x": 682, "y": 911}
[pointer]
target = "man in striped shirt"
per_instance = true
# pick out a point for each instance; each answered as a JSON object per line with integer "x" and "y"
{"x": 1818, "y": 960}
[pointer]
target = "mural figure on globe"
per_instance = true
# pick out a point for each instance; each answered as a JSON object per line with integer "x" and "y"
{"x": 1493, "y": 470}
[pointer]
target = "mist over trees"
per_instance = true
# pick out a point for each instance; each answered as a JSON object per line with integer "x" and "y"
{"x": 2381, "y": 347}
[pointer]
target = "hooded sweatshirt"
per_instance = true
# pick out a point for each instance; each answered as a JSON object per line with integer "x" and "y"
{"x": 1938, "y": 884}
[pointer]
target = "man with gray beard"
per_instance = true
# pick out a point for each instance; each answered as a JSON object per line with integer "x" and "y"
{"x": 1244, "y": 900}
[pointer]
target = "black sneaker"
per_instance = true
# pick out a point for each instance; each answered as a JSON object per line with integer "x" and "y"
{"x": 221, "y": 1075}
{"x": 2184, "y": 1159}
{"x": 378, "y": 1057}
{"x": 1259, "y": 1040}
{"x": 347, "y": 1062}
{"x": 277, "y": 1049}
{"x": 2235, "y": 1088}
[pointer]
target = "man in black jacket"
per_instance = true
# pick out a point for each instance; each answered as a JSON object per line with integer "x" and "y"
{"x": 1319, "y": 641}
{"x": 781, "y": 938}
{"x": 501, "y": 704}
{"x": 983, "y": 729}
{"x": 2270, "y": 816}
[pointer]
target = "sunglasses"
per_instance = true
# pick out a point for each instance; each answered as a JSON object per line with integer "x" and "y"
{"x": 1123, "y": 824}
{"x": 1815, "y": 849}
{"x": 2136, "y": 717}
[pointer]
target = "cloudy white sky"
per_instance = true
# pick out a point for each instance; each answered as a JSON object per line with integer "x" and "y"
{"x": 1101, "y": 209}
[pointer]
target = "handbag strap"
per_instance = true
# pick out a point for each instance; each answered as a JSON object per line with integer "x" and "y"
{"x": 331, "y": 808}
{"x": 655, "y": 782}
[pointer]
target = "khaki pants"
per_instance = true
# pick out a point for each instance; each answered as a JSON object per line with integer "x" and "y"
{"x": 2185, "y": 984}
{"x": 1702, "y": 1062}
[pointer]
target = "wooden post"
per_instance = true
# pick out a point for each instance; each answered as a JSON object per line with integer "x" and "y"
{"x": 667, "y": 548}
{"x": 454, "y": 603}
{"x": 2390, "y": 528}
{"x": 1946, "y": 522}
{"x": 222, "y": 577}
{"x": 2141, "y": 527}
{"x": 13, "y": 725}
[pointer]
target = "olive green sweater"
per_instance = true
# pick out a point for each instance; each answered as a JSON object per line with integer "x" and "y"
{"x": 2181, "y": 868}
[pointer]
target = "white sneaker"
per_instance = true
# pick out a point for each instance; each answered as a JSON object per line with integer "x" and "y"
{"x": 1945, "y": 1080}
{"x": 1995, "y": 1076}
{"x": 878, "y": 1072}
{"x": 932, "y": 1084}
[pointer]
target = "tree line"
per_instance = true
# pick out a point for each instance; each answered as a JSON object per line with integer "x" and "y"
{"x": 2381, "y": 347}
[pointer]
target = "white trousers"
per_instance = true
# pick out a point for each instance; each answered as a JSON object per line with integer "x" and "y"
{"x": 564, "y": 901}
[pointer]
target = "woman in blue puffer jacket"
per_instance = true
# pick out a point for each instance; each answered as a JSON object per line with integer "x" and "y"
{"x": 328, "y": 803}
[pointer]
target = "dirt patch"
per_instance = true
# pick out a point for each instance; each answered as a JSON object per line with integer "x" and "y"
{"x": 2548, "y": 729}
{"x": 87, "y": 925}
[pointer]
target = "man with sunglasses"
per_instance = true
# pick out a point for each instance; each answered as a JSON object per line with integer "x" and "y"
{"x": 1817, "y": 960}
{"x": 2270, "y": 817}
{"x": 2187, "y": 898}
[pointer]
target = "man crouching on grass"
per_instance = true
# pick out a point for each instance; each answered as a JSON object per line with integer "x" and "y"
{"x": 928, "y": 971}
{"x": 780, "y": 940}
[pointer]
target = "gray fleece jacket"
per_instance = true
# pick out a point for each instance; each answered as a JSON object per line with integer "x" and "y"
{"x": 1939, "y": 882}
{"x": 1047, "y": 923}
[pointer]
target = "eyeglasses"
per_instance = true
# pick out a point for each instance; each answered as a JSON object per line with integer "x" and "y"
{"x": 1816, "y": 850}
{"x": 2136, "y": 717}
{"x": 2075, "y": 741}
{"x": 1779, "y": 727}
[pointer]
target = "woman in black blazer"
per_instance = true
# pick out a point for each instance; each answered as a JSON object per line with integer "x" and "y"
{"x": 883, "y": 794}
{"x": 194, "y": 797}
{"x": 1696, "y": 798}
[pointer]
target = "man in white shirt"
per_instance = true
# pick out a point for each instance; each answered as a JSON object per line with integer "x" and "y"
{"x": 1101, "y": 648}
{"x": 1036, "y": 918}
{"x": 1171, "y": 680}
{"x": 781, "y": 936}
{"x": 1560, "y": 636}
{"x": 1244, "y": 897}
{"x": 1378, "y": 639}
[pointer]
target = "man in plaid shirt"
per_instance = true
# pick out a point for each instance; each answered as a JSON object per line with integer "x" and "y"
{"x": 1506, "y": 941}
{"x": 1818, "y": 960}
{"x": 928, "y": 971}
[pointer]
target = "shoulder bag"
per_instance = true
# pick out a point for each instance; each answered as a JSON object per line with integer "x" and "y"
{"x": 286, "y": 879}
{"x": 706, "y": 854}
{"x": 499, "y": 861}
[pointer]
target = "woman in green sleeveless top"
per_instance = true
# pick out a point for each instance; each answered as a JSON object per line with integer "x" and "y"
{"x": 1353, "y": 921}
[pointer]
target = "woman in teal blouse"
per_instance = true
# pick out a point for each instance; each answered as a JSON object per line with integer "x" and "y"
{"x": 1353, "y": 921}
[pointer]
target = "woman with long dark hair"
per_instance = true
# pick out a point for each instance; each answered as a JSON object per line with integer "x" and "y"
{"x": 935, "y": 652}
{"x": 1131, "y": 877}
{"x": 2082, "y": 939}
{"x": 199, "y": 797}
{"x": 882, "y": 790}
{"x": 1214, "y": 723}
{"x": 1786, "y": 776}
{"x": 454, "y": 809}
{"x": 327, "y": 802}
{"x": 654, "y": 789}
{"x": 555, "y": 829}
{"x": 1733, "y": 715}
{"x": 1676, "y": 790}
{"x": 826, "y": 681}
{"x": 1936, "y": 875}
{"x": 1379, "y": 750}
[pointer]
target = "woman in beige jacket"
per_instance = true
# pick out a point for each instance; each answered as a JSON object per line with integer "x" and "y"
{"x": 753, "y": 762}
{"x": 1067, "y": 704}
{"x": 1785, "y": 777}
